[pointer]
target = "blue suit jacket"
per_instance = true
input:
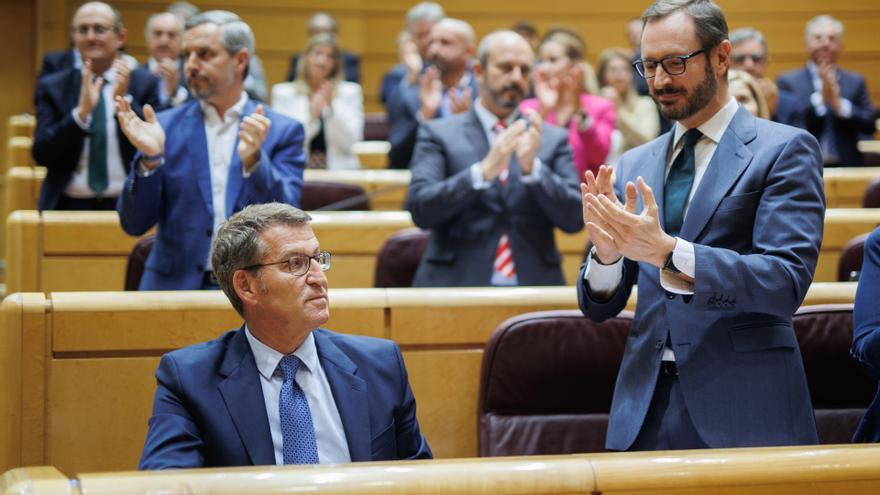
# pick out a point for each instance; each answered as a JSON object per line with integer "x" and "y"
{"x": 177, "y": 196}
{"x": 209, "y": 409}
{"x": 756, "y": 225}
{"x": 403, "y": 109}
{"x": 847, "y": 132}
{"x": 866, "y": 333}
{"x": 58, "y": 140}
{"x": 466, "y": 223}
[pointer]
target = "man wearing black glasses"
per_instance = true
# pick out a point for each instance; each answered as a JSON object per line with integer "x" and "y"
{"x": 280, "y": 390}
{"x": 720, "y": 220}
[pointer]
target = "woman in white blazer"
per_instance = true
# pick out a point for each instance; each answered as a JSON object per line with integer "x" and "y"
{"x": 331, "y": 109}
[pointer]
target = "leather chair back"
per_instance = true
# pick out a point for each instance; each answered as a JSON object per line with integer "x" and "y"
{"x": 399, "y": 258}
{"x": 871, "y": 199}
{"x": 376, "y": 127}
{"x": 851, "y": 257}
{"x": 333, "y": 196}
{"x": 137, "y": 258}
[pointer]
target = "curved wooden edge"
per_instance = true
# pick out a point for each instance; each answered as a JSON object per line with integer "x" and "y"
{"x": 35, "y": 480}
{"x": 482, "y": 296}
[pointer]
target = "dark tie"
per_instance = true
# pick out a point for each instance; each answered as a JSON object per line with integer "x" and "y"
{"x": 297, "y": 430}
{"x": 679, "y": 183}
{"x": 98, "y": 148}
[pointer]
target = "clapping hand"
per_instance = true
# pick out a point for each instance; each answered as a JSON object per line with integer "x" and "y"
{"x": 251, "y": 134}
{"x": 147, "y": 136}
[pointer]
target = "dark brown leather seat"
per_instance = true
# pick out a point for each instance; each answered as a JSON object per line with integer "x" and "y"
{"x": 333, "y": 196}
{"x": 137, "y": 258}
{"x": 399, "y": 258}
{"x": 546, "y": 383}
{"x": 871, "y": 199}
{"x": 851, "y": 257}
{"x": 548, "y": 378}
{"x": 375, "y": 127}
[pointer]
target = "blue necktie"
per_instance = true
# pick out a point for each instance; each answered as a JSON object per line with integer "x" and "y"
{"x": 297, "y": 431}
{"x": 679, "y": 183}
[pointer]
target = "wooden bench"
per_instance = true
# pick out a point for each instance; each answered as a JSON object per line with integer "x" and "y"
{"x": 22, "y": 125}
{"x": 845, "y": 186}
{"x": 77, "y": 368}
{"x": 850, "y": 469}
{"x": 386, "y": 188}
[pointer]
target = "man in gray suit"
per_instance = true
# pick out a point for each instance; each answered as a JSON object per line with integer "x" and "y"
{"x": 492, "y": 184}
{"x": 724, "y": 254}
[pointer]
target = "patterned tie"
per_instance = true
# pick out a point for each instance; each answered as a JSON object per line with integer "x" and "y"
{"x": 98, "y": 148}
{"x": 504, "y": 269}
{"x": 679, "y": 183}
{"x": 297, "y": 431}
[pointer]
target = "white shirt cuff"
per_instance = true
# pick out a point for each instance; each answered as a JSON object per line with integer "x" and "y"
{"x": 82, "y": 125}
{"x": 683, "y": 259}
{"x": 818, "y": 103}
{"x": 535, "y": 176}
{"x": 845, "y": 108}
{"x": 603, "y": 279}
{"x": 477, "y": 177}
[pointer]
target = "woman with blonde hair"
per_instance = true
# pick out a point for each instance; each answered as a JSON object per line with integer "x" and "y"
{"x": 637, "y": 119}
{"x": 745, "y": 89}
{"x": 331, "y": 109}
{"x": 561, "y": 98}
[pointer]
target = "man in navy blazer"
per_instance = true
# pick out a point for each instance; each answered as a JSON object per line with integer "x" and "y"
{"x": 720, "y": 221}
{"x": 866, "y": 334}
{"x": 229, "y": 402}
{"x": 223, "y": 152}
{"x": 839, "y": 112}
{"x": 65, "y": 108}
{"x": 445, "y": 88}
{"x": 477, "y": 197}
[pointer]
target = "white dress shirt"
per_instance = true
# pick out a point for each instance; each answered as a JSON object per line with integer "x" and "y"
{"x": 329, "y": 434}
{"x": 79, "y": 182}
{"x": 604, "y": 279}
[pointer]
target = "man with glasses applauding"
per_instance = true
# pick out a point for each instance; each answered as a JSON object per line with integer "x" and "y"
{"x": 280, "y": 390}
{"x": 720, "y": 220}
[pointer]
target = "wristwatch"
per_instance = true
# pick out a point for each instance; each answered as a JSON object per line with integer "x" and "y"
{"x": 595, "y": 257}
{"x": 668, "y": 265}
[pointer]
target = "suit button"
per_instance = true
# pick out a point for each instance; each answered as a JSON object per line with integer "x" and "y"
{"x": 659, "y": 344}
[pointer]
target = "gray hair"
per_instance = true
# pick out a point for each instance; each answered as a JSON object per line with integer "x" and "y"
{"x": 711, "y": 26}
{"x": 183, "y": 10}
{"x": 321, "y": 21}
{"x": 117, "y": 16}
{"x": 823, "y": 19}
{"x": 155, "y": 17}
{"x": 238, "y": 244}
{"x": 425, "y": 11}
{"x": 487, "y": 41}
{"x": 742, "y": 35}
{"x": 234, "y": 32}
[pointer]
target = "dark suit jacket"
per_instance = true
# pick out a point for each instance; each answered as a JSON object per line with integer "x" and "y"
{"x": 866, "y": 333}
{"x": 466, "y": 223}
{"x": 847, "y": 132}
{"x": 403, "y": 121}
{"x": 56, "y": 61}
{"x": 350, "y": 61}
{"x": 177, "y": 196}
{"x": 209, "y": 409}
{"x": 756, "y": 224}
{"x": 391, "y": 82}
{"x": 58, "y": 140}
{"x": 790, "y": 110}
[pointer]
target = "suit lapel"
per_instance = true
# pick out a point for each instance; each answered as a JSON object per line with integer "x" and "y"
{"x": 350, "y": 395}
{"x": 475, "y": 136}
{"x": 234, "y": 182}
{"x": 197, "y": 149}
{"x": 654, "y": 175}
{"x": 729, "y": 161}
{"x": 243, "y": 395}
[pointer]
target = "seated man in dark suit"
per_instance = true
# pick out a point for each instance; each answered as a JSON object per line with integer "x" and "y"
{"x": 750, "y": 53}
{"x": 163, "y": 35}
{"x": 77, "y": 137}
{"x": 412, "y": 47}
{"x": 445, "y": 88}
{"x": 280, "y": 390}
{"x": 492, "y": 186}
{"x": 323, "y": 22}
{"x": 839, "y": 112}
{"x": 866, "y": 334}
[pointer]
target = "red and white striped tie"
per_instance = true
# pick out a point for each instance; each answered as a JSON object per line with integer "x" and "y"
{"x": 504, "y": 258}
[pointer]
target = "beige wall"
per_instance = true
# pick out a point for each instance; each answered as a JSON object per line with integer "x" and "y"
{"x": 368, "y": 27}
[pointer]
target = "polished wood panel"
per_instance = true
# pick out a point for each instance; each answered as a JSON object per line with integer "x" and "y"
{"x": 845, "y": 186}
{"x": 386, "y": 188}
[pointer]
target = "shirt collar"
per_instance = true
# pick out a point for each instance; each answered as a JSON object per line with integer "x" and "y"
{"x": 488, "y": 119}
{"x": 714, "y": 127}
{"x": 235, "y": 111}
{"x": 267, "y": 359}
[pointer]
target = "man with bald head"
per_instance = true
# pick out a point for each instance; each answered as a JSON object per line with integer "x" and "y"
{"x": 322, "y": 22}
{"x": 445, "y": 88}
{"x": 77, "y": 138}
{"x": 163, "y": 34}
{"x": 493, "y": 184}
{"x": 839, "y": 112}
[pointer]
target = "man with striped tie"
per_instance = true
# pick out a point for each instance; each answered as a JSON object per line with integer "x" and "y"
{"x": 492, "y": 184}
{"x": 280, "y": 390}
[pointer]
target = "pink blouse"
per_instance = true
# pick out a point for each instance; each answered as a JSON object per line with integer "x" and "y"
{"x": 589, "y": 147}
